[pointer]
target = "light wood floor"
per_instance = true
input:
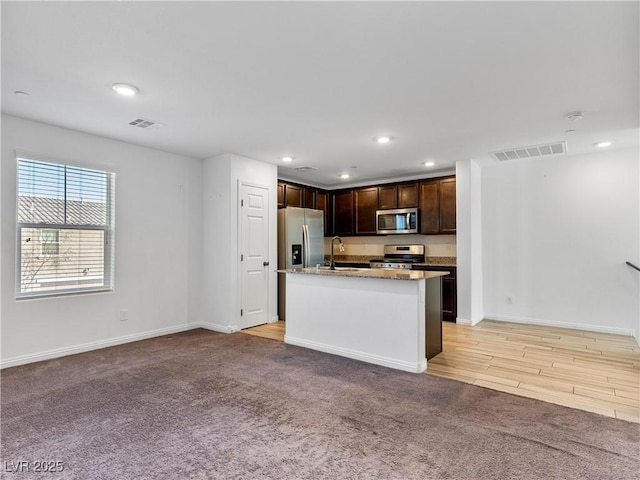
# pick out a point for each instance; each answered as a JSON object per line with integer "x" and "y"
{"x": 274, "y": 331}
{"x": 597, "y": 372}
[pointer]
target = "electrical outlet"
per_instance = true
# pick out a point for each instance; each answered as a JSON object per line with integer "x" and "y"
{"x": 509, "y": 299}
{"x": 124, "y": 315}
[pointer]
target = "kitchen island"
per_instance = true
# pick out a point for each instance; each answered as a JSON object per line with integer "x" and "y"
{"x": 383, "y": 316}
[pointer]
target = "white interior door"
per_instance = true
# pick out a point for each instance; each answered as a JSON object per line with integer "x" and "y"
{"x": 254, "y": 255}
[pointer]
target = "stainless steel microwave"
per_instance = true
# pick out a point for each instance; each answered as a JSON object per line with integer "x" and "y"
{"x": 399, "y": 220}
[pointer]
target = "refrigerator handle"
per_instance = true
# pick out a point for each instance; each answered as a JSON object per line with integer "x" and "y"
{"x": 305, "y": 246}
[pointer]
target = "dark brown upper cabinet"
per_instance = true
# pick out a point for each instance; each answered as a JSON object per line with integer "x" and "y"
{"x": 398, "y": 195}
{"x": 308, "y": 198}
{"x": 281, "y": 187}
{"x": 366, "y": 204}
{"x": 322, "y": 203}
{"x": 438, "y": 206}
{"x": 353, "y": 211}
{"x": 387, "y": 196}
{"x": 342, "y": 218}
{"x": 407, "y": 195}
{"x": 292, "y": 196}
{"x": 448, "y": 205}
{"x": 429, "y": 207}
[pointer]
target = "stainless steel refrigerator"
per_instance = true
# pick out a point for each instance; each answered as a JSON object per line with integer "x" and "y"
{"x": 300, "y": 244}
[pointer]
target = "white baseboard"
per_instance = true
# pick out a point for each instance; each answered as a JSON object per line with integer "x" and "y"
{"x": 356, "y": 355}
{"x": 85, "y": 347}
{"x": 553, "y": 323}
{"x": 466, "y": 321}
{"x": 216, "y": 327}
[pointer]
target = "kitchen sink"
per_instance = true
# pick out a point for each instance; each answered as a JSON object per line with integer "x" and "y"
{"x": 344, "y": 269}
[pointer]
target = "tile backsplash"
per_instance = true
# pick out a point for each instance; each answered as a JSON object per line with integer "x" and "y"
{"x": 436, "y": 245}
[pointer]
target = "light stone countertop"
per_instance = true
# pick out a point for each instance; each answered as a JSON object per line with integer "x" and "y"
{"x": 387, "y": 273}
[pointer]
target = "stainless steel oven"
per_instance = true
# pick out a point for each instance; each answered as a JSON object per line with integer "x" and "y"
{"x": 399, "y": 220}
{"x": 400, "y": 257}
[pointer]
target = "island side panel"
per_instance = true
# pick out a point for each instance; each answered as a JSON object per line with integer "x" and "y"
{"x": 433, "y": 317}
{"x": 375, "y": 320}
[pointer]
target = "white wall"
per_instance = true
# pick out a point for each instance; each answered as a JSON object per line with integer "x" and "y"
{"x": 216, "y": 244}
{"x": 469, "y": 280}
{"x": 157, "y": 249}
{"x": 220, "y": 260}
{"x": 556, "y": 235}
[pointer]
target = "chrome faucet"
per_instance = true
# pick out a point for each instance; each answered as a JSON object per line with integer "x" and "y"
{"x": 332, "y": 263}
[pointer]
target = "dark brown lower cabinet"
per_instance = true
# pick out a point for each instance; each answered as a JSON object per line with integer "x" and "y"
{"x": 449, "y": 299}
{"x": 449, "y": 290}
{"x": 433, "y": 318}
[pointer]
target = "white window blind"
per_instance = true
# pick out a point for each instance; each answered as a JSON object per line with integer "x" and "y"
{"x": 65, "y": 226}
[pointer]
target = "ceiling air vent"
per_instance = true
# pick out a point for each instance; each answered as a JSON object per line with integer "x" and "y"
{"x": 530, "y": 152}
{"x": 305, "y": 169}
{"x": 144, "y": 123}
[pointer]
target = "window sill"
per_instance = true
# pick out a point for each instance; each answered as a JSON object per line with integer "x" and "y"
{"x": 61, "y": 293}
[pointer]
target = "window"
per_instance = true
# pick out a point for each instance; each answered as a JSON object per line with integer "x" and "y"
{"x": 65, "y": 229}
{"x": 50, "y": 242}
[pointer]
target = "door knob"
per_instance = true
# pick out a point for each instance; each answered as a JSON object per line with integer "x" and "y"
{"x": 265, "y": 264}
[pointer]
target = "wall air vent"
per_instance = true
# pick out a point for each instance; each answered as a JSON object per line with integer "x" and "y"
{"x": 144, "y": 123}
{"x": 530, "y": 152}
{"x": 305, "y": 169}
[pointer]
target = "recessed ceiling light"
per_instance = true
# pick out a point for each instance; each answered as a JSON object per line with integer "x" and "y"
{"x": 344, "y": 176}
{"x": 603, "y": 144}
{"x": 287, "y": 159}
{"x": 124, "y": 89}
{"x": 429, "y": 164}
{"x": 383, "y": 139}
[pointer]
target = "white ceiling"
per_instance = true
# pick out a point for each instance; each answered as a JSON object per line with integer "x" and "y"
{"x": 318, "y": 80}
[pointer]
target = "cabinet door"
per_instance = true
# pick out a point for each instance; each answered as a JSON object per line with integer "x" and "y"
{"x": 308, "y": 198}
{"x": 366, "y": 200}
{"x": 407, "y": 195}
{"x": 387, "y": 197}
{"x": 343, "y": 212}
{"x": 448, "y": 205}
{"x": 322, "y": 203}
{"x": 449, "y": 299}
{"x": 429, "y": 208}
{"x": 293, "y": 196}
{"x": 281, "y": 187}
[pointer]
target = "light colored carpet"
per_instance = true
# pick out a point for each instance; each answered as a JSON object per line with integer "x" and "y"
{"x": 202, "y": 405}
